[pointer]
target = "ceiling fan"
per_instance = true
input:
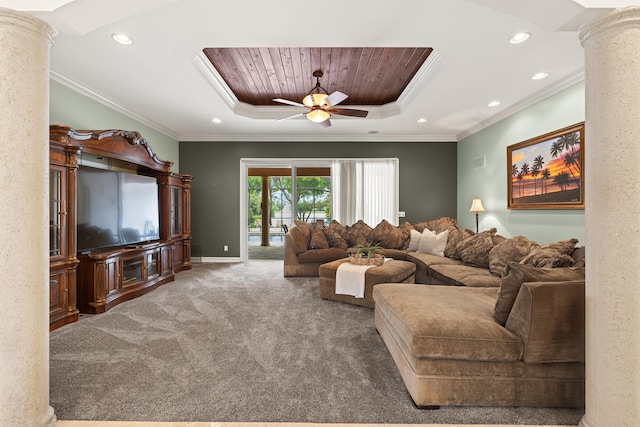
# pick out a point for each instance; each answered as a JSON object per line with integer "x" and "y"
{"x": 322, "y": 105}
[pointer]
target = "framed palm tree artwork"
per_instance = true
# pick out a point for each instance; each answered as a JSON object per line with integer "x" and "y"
{"x": 547, "y": 172}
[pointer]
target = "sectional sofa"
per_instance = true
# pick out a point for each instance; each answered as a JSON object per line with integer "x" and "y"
{"x": 500, "y": 322}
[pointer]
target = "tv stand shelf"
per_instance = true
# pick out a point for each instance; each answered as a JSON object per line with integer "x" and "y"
{"x": 95, "y": 281}
{"x": 112, "y": 276}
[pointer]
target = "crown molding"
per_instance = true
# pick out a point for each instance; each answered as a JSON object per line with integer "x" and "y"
{"x": 89, "y": 93}
{"x": 546, "y": 92}
{"x": 320, "y": 138}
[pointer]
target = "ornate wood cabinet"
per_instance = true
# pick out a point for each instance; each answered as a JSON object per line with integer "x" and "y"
{"x": 96, "y": 280}
{"x": 62, "y": 233}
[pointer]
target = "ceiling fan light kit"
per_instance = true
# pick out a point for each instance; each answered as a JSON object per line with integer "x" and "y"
{"x": 318, "y": 115}
{"x": 321, "y": 103}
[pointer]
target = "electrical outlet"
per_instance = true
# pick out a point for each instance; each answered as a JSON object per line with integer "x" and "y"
{"x": 401, "y": 214}
{"x": 225, "y": 248}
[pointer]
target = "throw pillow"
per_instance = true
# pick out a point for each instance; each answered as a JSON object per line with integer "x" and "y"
{"x": 432, "y": 243}
{"x": 415, "y": 240}
{"x": 318, "y": 239}
{"x": 336, "y": 235}
{"x": 510, "y": 250}
{"x": 305, "y": 227}
{"x": 405, "y": 228}
{"x": 515, "y": 274}
{"x": 299, "y": 241}
{"x": 441, "y": 224}
{"x": 474, "y": 250}
{"x": 455, "y": 237}
{"x": 387, "y": 235}
{"x": 578, "y": 256}
{"x": 359, "y": 234}
{"x": 555, "y": 254}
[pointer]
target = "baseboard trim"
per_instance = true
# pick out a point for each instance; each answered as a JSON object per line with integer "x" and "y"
{"x": 214, "y": 259}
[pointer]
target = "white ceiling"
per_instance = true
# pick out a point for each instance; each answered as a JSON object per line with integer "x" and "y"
{"x": 160, "y": 81}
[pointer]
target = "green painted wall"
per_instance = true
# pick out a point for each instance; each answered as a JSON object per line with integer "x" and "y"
{"x": 490, "y": 182}
{"x": 427, "y": 182}
{"x": 70, "y": 108}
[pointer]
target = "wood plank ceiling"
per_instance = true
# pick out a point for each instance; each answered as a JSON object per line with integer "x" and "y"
{"x": 370, "y": 76}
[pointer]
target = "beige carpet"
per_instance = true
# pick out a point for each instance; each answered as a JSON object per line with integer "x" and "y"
{"x": 241, "y": 343}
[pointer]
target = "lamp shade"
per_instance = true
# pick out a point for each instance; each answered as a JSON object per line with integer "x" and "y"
{"x": 318, "y": 115}
{"x": 314, "y": 99}
{"x": 476, "y": 205}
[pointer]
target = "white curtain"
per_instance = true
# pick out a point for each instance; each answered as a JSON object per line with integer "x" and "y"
{"x": 364, "y": 190}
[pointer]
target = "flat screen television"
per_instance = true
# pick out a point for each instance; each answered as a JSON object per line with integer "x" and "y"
{"x": 115, "y": 208}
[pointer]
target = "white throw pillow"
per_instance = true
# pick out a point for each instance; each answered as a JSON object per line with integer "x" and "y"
{"x": 415, "y": 240}
{"x": 430, "y": 243}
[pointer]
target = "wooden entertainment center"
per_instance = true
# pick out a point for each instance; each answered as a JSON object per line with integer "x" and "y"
{"x": 93, "y": 281}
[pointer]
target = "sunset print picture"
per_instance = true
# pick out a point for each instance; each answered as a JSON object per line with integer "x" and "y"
{"x": 547, "y": 172}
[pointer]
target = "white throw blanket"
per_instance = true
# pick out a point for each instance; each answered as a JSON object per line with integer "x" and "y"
{"x": 350, "y": 279}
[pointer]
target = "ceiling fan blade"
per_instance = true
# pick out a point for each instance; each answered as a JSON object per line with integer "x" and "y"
{"x": 291, "y": 117}
{"x": 348, "y": 112}
{"x": 335, "y": 98}
{"x": 286, "y": 101}
{"x": 325, "y": 124}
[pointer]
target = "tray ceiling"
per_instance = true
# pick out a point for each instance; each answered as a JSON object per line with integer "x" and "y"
{"x": 370, "y": 76}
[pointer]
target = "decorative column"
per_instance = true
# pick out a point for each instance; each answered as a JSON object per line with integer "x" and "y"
{"x": 25, "y": 44}
{"x": 612, "y": 156}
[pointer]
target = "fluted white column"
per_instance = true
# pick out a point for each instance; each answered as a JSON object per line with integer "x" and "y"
{"x": 612, "y": 178}
{"x": 25, "y": 43}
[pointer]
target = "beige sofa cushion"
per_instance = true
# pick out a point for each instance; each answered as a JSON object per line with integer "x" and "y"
{"x": 463, "y": 275}
{"x": 445, "y": 322}
{"x": 322, "y": 255}
{"x": 514, "y": 275}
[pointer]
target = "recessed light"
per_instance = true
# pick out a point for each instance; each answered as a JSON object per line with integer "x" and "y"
{"x": 540, "y": 76}
{"x": 493, "y": 103}
{"x": 422, "y": 120}
{"x": 519, "y": 38}
{"x": 216, "y": 120}
{"x": 122, "y": 38}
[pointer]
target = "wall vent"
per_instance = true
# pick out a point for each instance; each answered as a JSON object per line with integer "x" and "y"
{"x": 479, "y": 162}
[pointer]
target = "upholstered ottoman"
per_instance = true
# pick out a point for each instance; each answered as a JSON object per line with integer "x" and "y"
{"x": 393, "y": 271}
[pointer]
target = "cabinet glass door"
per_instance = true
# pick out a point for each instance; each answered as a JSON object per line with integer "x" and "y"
{"x": 176, "y": 211}
{"x": 55, "y": 212}
{"x": 152, "y": 263}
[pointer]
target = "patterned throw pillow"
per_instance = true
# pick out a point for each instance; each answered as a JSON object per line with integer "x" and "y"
{"x": 405, "y": 228}
{"x": 475, "y": 249}
{"x": 318, "y": 239}
{"x": 456, "y": 236}
{"x": 510, "y": 250}
{"x": 336, "y": 235}
{"x": 387, "y": 235}
{"x": 359, "y": 234}
{"x": 551, "y": 255}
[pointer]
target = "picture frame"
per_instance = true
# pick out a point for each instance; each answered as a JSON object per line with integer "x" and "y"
{"x": 547, "y": 172}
